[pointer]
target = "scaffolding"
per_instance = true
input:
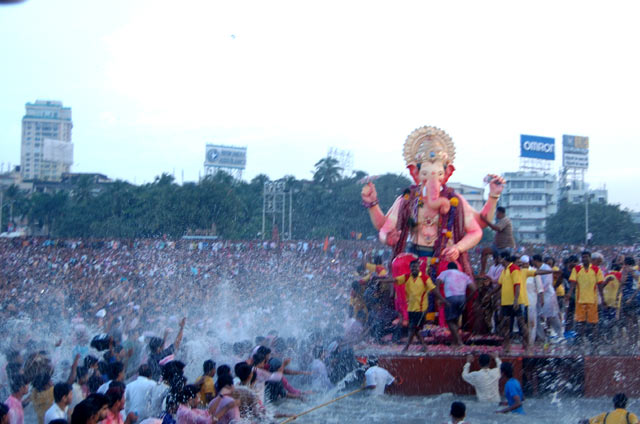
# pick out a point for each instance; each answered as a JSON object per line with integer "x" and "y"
{"x": 276, "y": 205}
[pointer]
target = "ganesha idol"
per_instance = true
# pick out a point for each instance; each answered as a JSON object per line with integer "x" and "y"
{"x": 430, "y": 220}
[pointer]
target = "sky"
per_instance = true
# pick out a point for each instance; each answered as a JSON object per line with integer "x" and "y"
{"x": 150, "y": 83}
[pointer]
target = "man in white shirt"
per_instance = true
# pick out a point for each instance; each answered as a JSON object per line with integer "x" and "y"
{"x": 550, "y": 310}
{"x": 486, "y": 380}
{"x": 319, "y": 376}
{"x": 139, "y": 394}
{"x": 377, "y": 378}
{"x": 495, "y": 270}
{"x": 455, "y": 291}
{"x": 62, "y": 397}
{"x": 535, "y": 294}
{"x": 82, "y": 376}
{"x": 115, "y": 373}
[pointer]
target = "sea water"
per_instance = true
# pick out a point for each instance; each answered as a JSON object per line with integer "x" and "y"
{"x": 367, "y": 409}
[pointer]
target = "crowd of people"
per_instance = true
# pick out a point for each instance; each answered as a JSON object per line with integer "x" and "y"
{"x": 95, "y": 330}
{"x": 114, "y": 305}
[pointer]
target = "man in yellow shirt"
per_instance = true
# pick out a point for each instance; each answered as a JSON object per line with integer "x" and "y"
{"x": 418, "y": 286}
{"x": 611, "y": 305}
{"x": 618, "y": 416}
{"x": 513, "y": 299}
{"x": 587, "y": 278}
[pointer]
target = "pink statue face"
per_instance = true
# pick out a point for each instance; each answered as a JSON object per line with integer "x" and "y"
{"x": 432, "y": 172}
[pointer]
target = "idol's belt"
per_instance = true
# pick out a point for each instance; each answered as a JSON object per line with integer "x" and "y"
{"x": 421, "y": 251}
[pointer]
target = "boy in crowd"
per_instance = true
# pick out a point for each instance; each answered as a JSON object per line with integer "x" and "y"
{"x": 62, "y": 396}
{"x": 207, "y": 388}
{"x": 618, "y": 415}
{"x": 458, "y": 413}
{"x": 512, "y": 391}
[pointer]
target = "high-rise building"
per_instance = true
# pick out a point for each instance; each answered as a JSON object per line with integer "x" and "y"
{"x": 530, "y": 198}
{"x": 473, "y": 195}
{"x": 47, "y": 150}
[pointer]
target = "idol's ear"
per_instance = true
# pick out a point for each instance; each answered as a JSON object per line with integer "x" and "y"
{"x": 447, "y": 172}
{"x": 414, "y": 171}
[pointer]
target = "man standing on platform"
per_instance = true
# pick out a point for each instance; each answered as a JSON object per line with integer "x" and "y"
{"x": 503, "y": 241}
{"x": 455, "y": 291}
{"x": 587, "y": 278}
{"x": 629, "y": 308}
{"x": 550, "y": 310}
{"x": 513, "y": 298}
{"x": 418, "y": 287}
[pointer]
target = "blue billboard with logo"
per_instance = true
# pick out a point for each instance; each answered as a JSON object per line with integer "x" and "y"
{"x": 535, "y": 147}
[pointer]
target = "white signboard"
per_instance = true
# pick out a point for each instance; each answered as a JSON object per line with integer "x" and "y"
{"x": 575, "y": 151}
{"x": 57, "y": 151}
{"x": 226, "y": 156}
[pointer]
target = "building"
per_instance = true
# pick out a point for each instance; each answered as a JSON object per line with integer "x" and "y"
{"x": 573, "y": 193}
{"x": 530, "y": 198}
{"x": 68, "y": 182}
{"x": 473, "y": 195}
{"x": 11, "y": 177}
{"x": 47, "y": 150}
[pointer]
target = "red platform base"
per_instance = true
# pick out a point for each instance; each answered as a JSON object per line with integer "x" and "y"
{"x": 589, "y": 376}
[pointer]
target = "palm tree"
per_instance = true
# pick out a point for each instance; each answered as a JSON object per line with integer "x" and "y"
{"x": 327, "y": 171}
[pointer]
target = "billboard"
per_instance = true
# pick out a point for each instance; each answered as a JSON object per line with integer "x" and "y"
{"x": 57, "y": 151}
{"x": 532, "y": 146}
{"x": 575, "y": 151}
{"x": 225, "y": 156}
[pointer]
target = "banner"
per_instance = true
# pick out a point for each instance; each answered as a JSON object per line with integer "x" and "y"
{"x": 57, "y": 151}
{"x": 575, "y": 151}
{"x": 226, "y": 156}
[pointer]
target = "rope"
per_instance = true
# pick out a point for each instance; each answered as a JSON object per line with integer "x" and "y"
{"x": 288, "y": 420}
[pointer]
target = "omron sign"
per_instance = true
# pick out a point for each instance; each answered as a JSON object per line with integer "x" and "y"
{"x": 535, "y": 147}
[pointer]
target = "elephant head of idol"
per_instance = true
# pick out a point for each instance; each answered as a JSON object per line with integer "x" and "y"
{"x": 429, "y": 153}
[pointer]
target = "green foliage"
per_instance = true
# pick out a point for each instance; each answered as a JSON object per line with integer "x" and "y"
{"x": 327, "y": 205}
{"x": 327, "y": 171}
{"x": 608, "y": 223}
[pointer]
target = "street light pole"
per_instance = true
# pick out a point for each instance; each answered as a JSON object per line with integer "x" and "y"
{"x": 586, "y": 218}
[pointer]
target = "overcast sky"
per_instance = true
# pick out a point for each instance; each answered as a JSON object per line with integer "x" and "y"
{"x": 151, "y": 82}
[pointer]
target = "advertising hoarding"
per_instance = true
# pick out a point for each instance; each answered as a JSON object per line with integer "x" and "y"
{"x": 575, "y": 151}
{"x": 535, "y": 147}
{"x": 57, "y": 151}
{"x": 226, "y": 156}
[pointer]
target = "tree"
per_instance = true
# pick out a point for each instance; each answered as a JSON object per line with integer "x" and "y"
{"x": 46, "y": 210}
{"x": 328, "y": 205}
{"x": 608, "y": 223}
{"x": 15, "y": 205}
{"x": 327, "y": 171}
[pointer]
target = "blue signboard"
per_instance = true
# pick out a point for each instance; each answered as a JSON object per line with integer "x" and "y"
{"x": 532, "y": 146}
